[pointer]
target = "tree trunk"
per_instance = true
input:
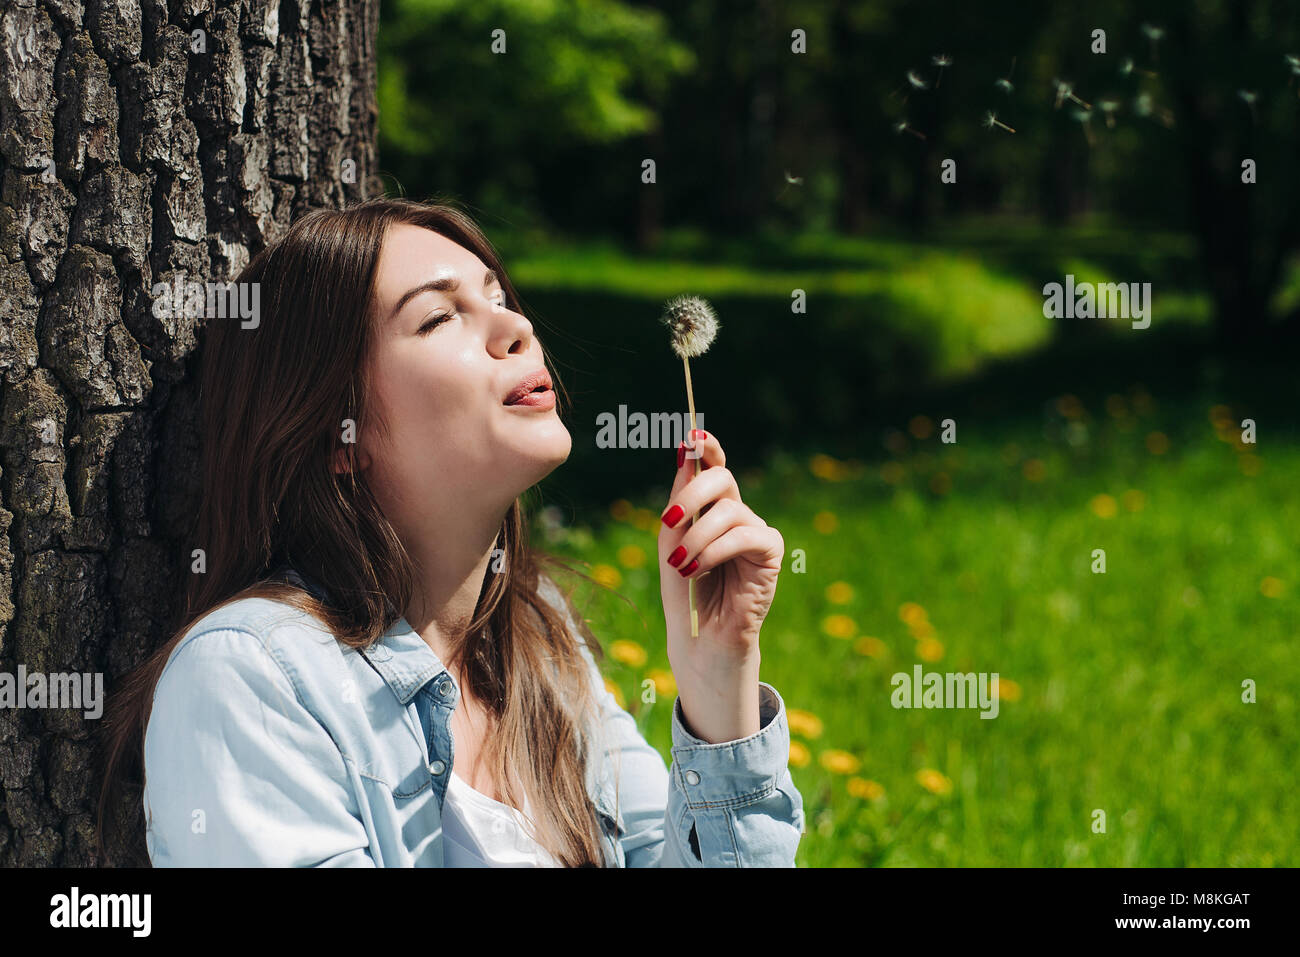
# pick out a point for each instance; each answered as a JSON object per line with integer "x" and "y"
{"x": 134, "y": 148}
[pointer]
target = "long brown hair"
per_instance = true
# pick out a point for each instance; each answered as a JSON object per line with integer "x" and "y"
{"x": 273, "y": 399}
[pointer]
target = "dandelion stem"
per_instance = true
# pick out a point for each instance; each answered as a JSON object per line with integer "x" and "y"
{"x": 690, "y": 584}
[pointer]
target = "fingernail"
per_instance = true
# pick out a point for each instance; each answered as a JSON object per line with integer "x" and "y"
{"x": 681, "y": 454}
{"x": 676, "y": 557}
{"x": 673, "y": 516}
{"x": 695, "y": 563}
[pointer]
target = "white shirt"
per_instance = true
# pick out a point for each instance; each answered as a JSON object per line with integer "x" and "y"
{"x": 480, "y": 832}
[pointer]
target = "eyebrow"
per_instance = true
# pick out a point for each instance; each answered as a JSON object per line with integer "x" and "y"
{"x": 443, "y": 284}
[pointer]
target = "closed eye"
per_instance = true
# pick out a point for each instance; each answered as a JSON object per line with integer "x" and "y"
{"x": 433, "y": 322}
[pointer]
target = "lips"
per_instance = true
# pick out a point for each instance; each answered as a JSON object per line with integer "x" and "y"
{"x": 539, "y": 381}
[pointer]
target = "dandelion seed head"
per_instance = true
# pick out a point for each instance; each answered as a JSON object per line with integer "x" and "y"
{"x": 1152, "y": 32}
{"x": 1003, "y": 85}
{"x": 900, "y": 126}
{"x": 1248, "y": 95}
{"x": 1083, "y": 116}
{"x": 990, "y": 119}
{"x": 915, "y": 80}
{"x": 692, "y": 324}
{"x": 1143, "y": 104}
{"x": 1108, "y": 106}
{"x": 1292, "y": 59}
{"x": 941, "y": 60}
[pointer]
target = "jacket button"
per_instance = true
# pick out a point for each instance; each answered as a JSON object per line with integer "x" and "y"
{"x": 437, "y": 767}
{"x": 444, "y": 689}
{"x": 692, "y": 777}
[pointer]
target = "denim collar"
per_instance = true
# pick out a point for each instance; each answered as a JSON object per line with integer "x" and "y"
{"x": 400, "y": 656}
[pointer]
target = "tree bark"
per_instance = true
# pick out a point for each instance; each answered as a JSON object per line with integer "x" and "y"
{"x": 139, "y": 140}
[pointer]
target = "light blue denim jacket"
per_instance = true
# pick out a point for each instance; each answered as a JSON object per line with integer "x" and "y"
{"x": 271, "y": 743}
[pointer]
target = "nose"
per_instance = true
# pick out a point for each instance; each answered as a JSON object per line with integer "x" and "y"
{"x": 512, "y": 333}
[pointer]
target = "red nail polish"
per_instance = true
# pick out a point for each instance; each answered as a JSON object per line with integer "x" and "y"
{"x": 673, "y": 516}
{"x": 681, "y": 454}
{"x": 695, "y": 563}
{"x": 676, "y": 557}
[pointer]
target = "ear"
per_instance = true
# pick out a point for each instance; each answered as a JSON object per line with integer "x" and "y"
{"x": 341, "y": 460}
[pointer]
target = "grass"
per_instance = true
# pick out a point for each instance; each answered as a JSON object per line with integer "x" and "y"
{"x": 1127, "y": 694}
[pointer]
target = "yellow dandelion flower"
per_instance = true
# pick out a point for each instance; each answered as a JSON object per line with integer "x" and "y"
{"x": 828, "y": 468}
{"x": 1103, "y": 506}
{"x": 607, "y": 575}
{"x": 1034, "y": 470}
{"x": 1271, "y": 587}
{"x": 934, "y": 781}
{"x": 1157, "y": 443}
{"x": 800, "y": 756}
{"x": 921, "y": 630}
{"x": 869, "y": 646}
{"x": 940, "y": 483}
{"x": 622, "y": 510}
{"x": 617, "y": 692}
{"x": 804, "y": 722}
{"x": 1220, "y": 416}
{"x": 891, "y": 473}
{"x": 839, "y": 762}
{"x": 910, "y": 613}
{"x": 839, "y": 593}
{"x": 930, "y": 649}
{"x": 631, "y": 556}
{"x": 1133, "y": 500}
{"x": 665, "y": 683}
{"x": 864, "y": 788}
{"x": 839, "y": 626}
{"x": 627, "y": 652}
{"x": 825, "y": 522}
{"x": 646, "y": 520}
{"x": 921, "y": 426}
{"x": 1008, "y": 690}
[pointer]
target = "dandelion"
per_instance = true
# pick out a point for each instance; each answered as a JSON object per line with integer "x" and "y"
{"x": 931, "y": 649}
{"x": 934, "y": 781}
{"x": 1103, "y": 506}
{"x": 1084, "y": 116}
{"x": 621, "y": 510}
{"x": 828, "y": 468}
{"x": 1153, "y": 33}
{"x": 1065, "y": 91}
{"x": 921, "y": 629}
{"x": 1126, "y": 67}
{"x": 692, "y": 325}
{"x": 804, "y": 722}
{"x": 891, "y": 473}
{"x": 839, "y": 593}
{"x": 1133, "y": 500}
{"x": 870, "y": 647}
{"x": 864, "y": 788}
{"x": 607, "y": 575}
{"x": 799, "y": 754}
{"x": 1143, "y": 105}
{"x": 916, "y": 82}
{"x": 617, "y": 692}
{"x": 793, "y": 180}
{"x": 1157, "y": 443}
{"x": 631, "y": 556}
{"x": 940, "y": 60}
{"x": 920, "y": 426}
{"x": 628, "y": 653}
{"x": 839, "y": 762}
{"x": 1004, "y": 83}
{"x": 1108, "y": 108}
{"x": 904, "y": 127}
{"x": 912, "y": 614}
{"x": 1271, "y": 587}
{"x": 1008, "y": 690}
{"x": 1034, "y": 470}
{"x": 991, "y": 120}
{"x": 839, "y": 626}
{"x": 665, "y": 683}
{"x": 1249, "y": 96}
{"x": 825, "y": 522}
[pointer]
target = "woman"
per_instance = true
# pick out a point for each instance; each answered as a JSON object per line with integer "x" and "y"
{"x": 371, "y": 669}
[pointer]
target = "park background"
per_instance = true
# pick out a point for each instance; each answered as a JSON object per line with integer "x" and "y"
{"x": 818, "y": 168}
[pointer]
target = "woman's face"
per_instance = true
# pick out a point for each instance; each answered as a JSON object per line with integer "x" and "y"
{"x": 444, "y": 363}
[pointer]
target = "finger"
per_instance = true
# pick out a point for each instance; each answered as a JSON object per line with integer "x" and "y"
{"x": 700, "y": 446}
{"x": 762, "y": 545}
{"x": 699, "y": 491}
{"x": 726, "y": 514}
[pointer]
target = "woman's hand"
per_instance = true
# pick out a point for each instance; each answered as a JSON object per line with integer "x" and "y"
{"x": 734, "y": 557}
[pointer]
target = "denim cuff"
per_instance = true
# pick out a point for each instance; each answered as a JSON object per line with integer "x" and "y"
{"x": 732, "y": 773}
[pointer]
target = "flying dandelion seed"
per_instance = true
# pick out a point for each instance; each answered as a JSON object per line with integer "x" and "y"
{"x": 1084, "y": 118}
{"x": 916, "y": 82}
{"x": 904, "y": 127}
{"x": 1108, "y": 108}
{"x": 1153, "y": 33}
{"x": 1126, "y": 67}
{"x": 940, "y": 60}
{"x": 793, "y": 180}
{"x": 1142, "y": 105}
{"x": 1004, "y": 85}
{"x": 1249, "y": 96}
{"x": 1065, "y": 91}
{"x": 991, "y": 120}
